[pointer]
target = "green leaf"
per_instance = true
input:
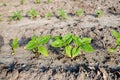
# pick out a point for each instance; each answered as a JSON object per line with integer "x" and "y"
{"x": 118, "y": 41}
{"x": 86, "y": 40}
{"x": 4, "y": 4}
{"x": 32, "y": 45}
{"x": 99, "y": 13}
{"x": 68, "y": 50}
{"x": 115, "y": 34}
{"x": 34, "y": 37}
{"x": 15, "y": 43}
{"x": 111, "y": 50}
{"x": 57, "y": 37}
{"x": 43, "y": 50}
{"x": 57, "y": 43}
{"x": 67, "y": 39}
{"x": 48, "y": 14}
{"x": 32, "y": 13}
{"x": 76, "y": 40}
{"x": 62, "y": 13}
{"x": 87, "y": 48}
{"x": 1, "y": 17}
{"x": 79, "y": 12}
{"x": 16, "y": 16}
{"x": 44, "y": 39}
{"x": 22, "y": 2}
{"x": 48, "y": 1}
{"x": 75, "y": 52}
{"x": 38, "y": 1}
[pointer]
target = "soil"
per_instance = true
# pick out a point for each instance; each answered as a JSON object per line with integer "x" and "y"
{"x": 99, "y": 65}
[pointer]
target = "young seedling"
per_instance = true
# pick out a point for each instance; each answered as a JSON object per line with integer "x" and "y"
{"x": 38, "y": 1}
{"x": 83, "y": 44}
{"x": 117, "y": 37}
{"x": 62, "y": 13}
{"x": 1, "y": 17}
{"x": 36, "y": 44}
{"x": 14, "y": 45}
{"x": 99, "y": 13}
{"x": 32, "y": 13}
{"x": 111, "y": 50}
{"x": 4, "y": 4}
{"x": 79, "y": 12}
{"x": 48, "y": 14}
{"x": 79, "y": 0}
{"x": 48, "y": 1}
{"x": 16, "y": 16}
{"x": 72, "y": 50}
{"x": 22, "y": 2}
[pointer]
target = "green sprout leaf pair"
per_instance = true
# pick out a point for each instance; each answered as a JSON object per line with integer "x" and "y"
{"x": 4, "y": 4}
{"x": 16, "y": 16}
{"x": 36, "y": 44}
{"x": 117, "y": 37}
{"x": 61, "y": 41}
{"x": 83, "y": 44}
{"x": 38, "y": 1}
{"x": 1, "y": 17}
{"x": 48, "y": 14}
{"x": 72, "y": 50}
{"x": 22, "y": 2}
{"x": 48, "y": 1}
{"x": 32, "y": 13}
{"x": 79, "y": 12}
{"x": 62, "y": 13}
{"x": 99, "y": 13}
{"x": 14, "y": 45}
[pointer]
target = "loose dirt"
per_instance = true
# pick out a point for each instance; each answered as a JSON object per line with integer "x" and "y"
{"x": 99, "y": 65}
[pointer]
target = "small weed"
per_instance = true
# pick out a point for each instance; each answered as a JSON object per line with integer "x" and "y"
{"x": 72, "y": 44}
{"x": 36, "y": 44}
{"x": 99, "y": 13}
{"x": 22, "y": 2}
{"x": 38, "y": 1}
{"x": 79, "y": 0}
{"x": 4, "y": 4}
{"x": 16, "y": 16}
{"x": 14, "y": 45}
{"x": 79, "y": 12}
{"x": 1, "y": 17}
{"x": 62, "y": 14}
{"x": 111, "y": 50}
{"x": 48, "y": 1}
{"x": 117, "y": 37}
{"x": 48, "y": 14}
{"x": 32, "y": 13}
